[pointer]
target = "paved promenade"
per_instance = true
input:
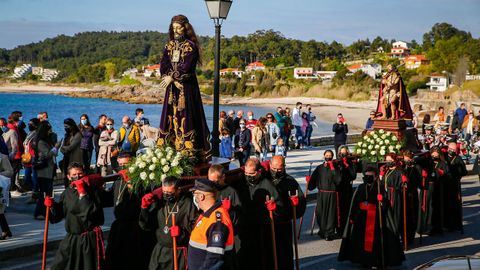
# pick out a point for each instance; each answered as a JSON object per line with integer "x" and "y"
{"x": 24, "y": 249}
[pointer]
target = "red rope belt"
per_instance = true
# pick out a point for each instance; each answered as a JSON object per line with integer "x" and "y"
{"x": 424, "y": 197}
{"x": 338, "y": 205}
{"x": 370, "y": 224}
{"x": 99, "y": 242}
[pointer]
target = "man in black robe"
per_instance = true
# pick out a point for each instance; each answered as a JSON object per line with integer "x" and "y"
{"x": 81, "y": 204}
{"x": 370, "y": 237}
{"x": 125, "y": 230}
{"x": 230, "y": 200}
{"x": 394, "y": 179}
{"x": 453, "y": 190}
{"x": 256, "y": 238}
{"x": 326, "y": 177}
{"x": 413, "y": 172}
{"x": 348, "y": 174}
{"x": 434, "y": 175}
{"x": 156, "y": 215}
{"x": 286, "y": 186}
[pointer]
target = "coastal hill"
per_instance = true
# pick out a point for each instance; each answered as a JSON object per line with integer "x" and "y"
{"x": 93, "y": 58}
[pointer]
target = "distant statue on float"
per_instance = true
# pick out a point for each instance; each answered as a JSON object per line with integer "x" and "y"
{"x": 183, "y": 124}
{"x": 393, "y": 101}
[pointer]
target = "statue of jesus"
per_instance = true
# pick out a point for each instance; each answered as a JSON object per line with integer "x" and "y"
{"x": 183, "y": 124}
{"x": 392, "y": 99}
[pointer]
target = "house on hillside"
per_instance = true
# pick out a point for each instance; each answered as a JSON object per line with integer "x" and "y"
{"x": 372, "y": 70}
{"x": 22, "y": 71}
{"x": 131, "y": 72}
{"x": 399, "y": 50}
{"x": 438, "y": 82}
{"x": 46, "y": 74}
{"x": 304, "y": 73}
{"x": 469, "y": 77}
{"x": 325, "y": 75}
{"x": 415, "y": 61}
{"x": 151, "y": 70}
{"x": 252, "y": 67}
{"x": 235, "y": 71}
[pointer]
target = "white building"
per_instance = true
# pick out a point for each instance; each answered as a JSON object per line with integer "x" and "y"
{"x": 399, "y": 50}
{"x": 22, "y": 71}
{"x": 47, "y": 74}
{"x": 438, "y": 82}
{"x": 326, "y": 75}
{"x": 372, "y": 70}
{"x": 151, "y": 69}
{"x": 252, "y": 67}
{"x": 235, "y": 71}
{"x": 415, "y": 61}
{"x": 132, "y": 72}
{"x": 304, "y": 73}
{"x": 469, "y": 77}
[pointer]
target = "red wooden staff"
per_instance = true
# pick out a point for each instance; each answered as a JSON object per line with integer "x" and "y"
{"x": 175, "y": 256}
{"x": 271, "y": 206}
{"x": 294, "y": 200}
{"x": 404, "y": 191}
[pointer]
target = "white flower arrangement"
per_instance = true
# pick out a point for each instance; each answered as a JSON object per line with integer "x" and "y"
{"x": 149, "y": 169}
{"x": 374, "y": 146}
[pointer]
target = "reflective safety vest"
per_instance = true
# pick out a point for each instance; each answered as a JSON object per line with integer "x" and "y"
{"x": 213, "y": 233}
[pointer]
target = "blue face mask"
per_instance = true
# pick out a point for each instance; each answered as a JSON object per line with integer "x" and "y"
{"x": 109, "y": 127}
{"x": 83, "y": 121}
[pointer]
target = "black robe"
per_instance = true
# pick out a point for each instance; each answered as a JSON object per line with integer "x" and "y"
{"x": 283, "y": 224}
{"x": 236, "y": 213}
{"x": 414, "y": 176}
{"x": 361, "y": 241}
{"x": 155, "y": 219}
{"x": 129, "y": 247}
{"x": 348, "y": 172}
{"x": 393, "y": 181}
{"x": 256, "y": 252}
{"x": 82, "y": 247}
{"x": 453, "y": 193}
{"x": 430, "y": 214}
{"x": 328, "y": 208}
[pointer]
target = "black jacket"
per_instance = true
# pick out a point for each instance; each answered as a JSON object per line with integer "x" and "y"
{"x": 341, "y": 131}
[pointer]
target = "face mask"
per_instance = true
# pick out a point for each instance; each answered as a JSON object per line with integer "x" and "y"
{"x": 451, "y": 153}
{"x": 276, "y": 174}
{"x": 74, "y": 178}
{"x": 436, "y": 158}
{"x": 125, "y": 125}
{"x": 109, "y": 126}
{"x": 31, "y": 128}
{"x": 169, "y": 197}
{"x": 250, "y": 117}
{"x": 83, "y": 121}
{"x": 409, "y": 162}
{"x": 343, "y": 155}
{"x": 390, "y": 164}
{"x": 251, "y": 179}
{"x": 20, "y": 118}
{"x": 4, "y": 128}
{"x": 195, "y": 202}
{"x": 368, "y": 179}
{"x": 242, "y": 125}
{"x": 67, "y": 130}
{"x": 328, "y": 159}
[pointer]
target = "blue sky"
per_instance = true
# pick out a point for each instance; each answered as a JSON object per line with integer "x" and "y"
{"x": 25, "y": 21}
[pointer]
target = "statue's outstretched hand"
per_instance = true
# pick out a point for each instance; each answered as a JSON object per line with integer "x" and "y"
{"x": 166, "y": 81}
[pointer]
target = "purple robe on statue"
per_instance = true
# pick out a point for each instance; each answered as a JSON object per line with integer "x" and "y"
{"x": 183, "y": 124}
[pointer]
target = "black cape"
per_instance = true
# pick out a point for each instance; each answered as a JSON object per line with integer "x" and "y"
{"x": 328, "y": 208}
{"x": 256, "y": 252}
{"x": 129, "y": 247}
{"x": 155, "y": 219}
{"x": 453, "y": 193}
{"x": 82, "y": 247}
{"x": 283, "y": 224}
{"x": 361, "y": 241}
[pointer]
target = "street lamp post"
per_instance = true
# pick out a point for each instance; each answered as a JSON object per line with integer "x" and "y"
{"x": 218, "y": 11}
